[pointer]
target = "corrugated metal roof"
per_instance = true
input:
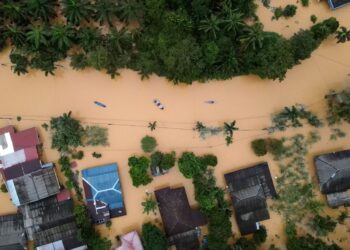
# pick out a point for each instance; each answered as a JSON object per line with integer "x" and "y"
{"x": 25, "y": 139}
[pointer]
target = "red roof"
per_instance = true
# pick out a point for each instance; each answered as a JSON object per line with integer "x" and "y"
{"x": 7, "y": 129}
{"x": 25, "y": 139}
{"x": 31, "y": 153}
{"x": 63, "y": 195}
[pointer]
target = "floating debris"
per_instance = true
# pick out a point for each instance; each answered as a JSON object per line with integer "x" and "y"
{"x": 100, "y": 104}
{"x": 158, "y": 104}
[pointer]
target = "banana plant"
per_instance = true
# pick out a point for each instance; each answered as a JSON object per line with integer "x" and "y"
{"x": 77, "y": 10}
{"x": 43, "y": 10}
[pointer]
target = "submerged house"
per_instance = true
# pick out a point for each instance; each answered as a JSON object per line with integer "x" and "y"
{"x": 12, "y": 235}
{"x": 103, "y": 192}
{"x": 130, "y": 241}
{"x": 333, "y": 172}
{"x": 335, "y": 4}
{"x": 249, "y": 188}
{"x": 180, "y": 221}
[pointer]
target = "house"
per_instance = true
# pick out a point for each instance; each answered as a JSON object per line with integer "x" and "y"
{"x": 130, "y": 241}
{"x": 50, "y": 223}
{"x": 34, "y": 186}
{"x": 335, "y": 4}
{"x": 180, "y": 221}
{"x": 333, "y": 172}
{"x": 12, "y": 235}
{"x": 249, "y": 188}
{"x": 103, "y": 192}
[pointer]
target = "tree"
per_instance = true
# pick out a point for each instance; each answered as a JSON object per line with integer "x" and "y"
{"x": 19, "y": 62}
{"x": 62, "y": 36}
{"x": 130, "y": 10}
{"x": 210, "y": 25}
{"x": 260, "y": 236}
{"x": 153, "y": 238}
{"x": 253, "y": 36}
{"x": 78, "y": 61}
{"x": 148, "y": 144}
{"x": 325, "y": 28}
{"x": 139, "y": 170}
{"x": 152, "y": 125}
{"x": 96, "y": 155}
{"x": 338, "y": 106}
{"x": 168, "y": 160}
{"x": 308, "y": 242}
{"x": 16, "y": 35}
{"x": 208, "y": 160}
{"x": 43, "y": 10}
{"x": 95, "y": 136}
{"x": 105, "y": 11}
{"x": 232, "y": 21}
{"x": 66, "y": 132}
{"x": 89, "y": 38}
{"x": 259, "y": 147}
{"x": 189, "y": 165}
{"x": 244, "y": 244}
{"x": 229, "y": 128}
{"x": 3, "y": 188}
{"x": 343, "y": 35}
{"x": 303, "y": 44}
{"x": 149, "y": 205}
{"x": 290, "y": 10}
{"x": 76, "y": 11}
{"x": 313, "y": 18}
{"x": 109, "y": 224}
{"x": 14, "y": 11}
{"x": 322, "y": 225}
{"x": 37, "y": 36}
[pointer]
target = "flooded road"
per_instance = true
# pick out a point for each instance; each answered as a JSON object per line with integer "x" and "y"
{"x": 248, "y": 100}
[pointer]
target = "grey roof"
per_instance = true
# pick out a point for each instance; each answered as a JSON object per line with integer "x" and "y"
{"x": 60, "y": 232}
{"x": 249, "y": 189}
{"x": 177, "y": 215}
{"x": 36, "y": 186}
{"x": 334, "y": 4}
{"x": 333, "y": 171}
{"x": 11, "y": 232}
{"x": 338, "y": 199}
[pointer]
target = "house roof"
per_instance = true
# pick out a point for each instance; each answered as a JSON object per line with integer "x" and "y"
{"x": 185, "y": 241}
{"x": 50, "y": 221}
{"x": 34, "y": 186}
{"x": 11, "y": 232}
{"x": 177, "y": 215}
{"x": 19, "y": 156}
{"x": 334, "y": 4}
{"x": 25, "y": 139}
{"x": 333, "y": 171}
{"x": 21, "y": 169}
{"x": 130, "y": 241}
{"x": 7, "y": 129}
{"x": 249, "y": 189}
{"x": 102, "y": 185}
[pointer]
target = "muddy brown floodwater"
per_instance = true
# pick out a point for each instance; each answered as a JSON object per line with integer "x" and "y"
{"x": 248, "y": 100}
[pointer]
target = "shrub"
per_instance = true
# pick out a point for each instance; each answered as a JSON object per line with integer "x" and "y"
{"x": 322, "y": 225}
{"x": 338, "y": 106}
{"x": 323, "y": 29}
{"x": 290, "y": 10}
{"x": 259, "y": 147}
{"x": 168, "y": 160}
{"x": 243, "y": 243}
{"x": 109, "y": 224}
{"x": 260, "y": 236}
{"x": 275, "y": 147}
{"x": 153, "y": 238}
{"x": 209, "y": 160}
{"x": 149, "y": 205}
{"x": 148, "y": 144}
{"x": 78, "y": 155}
{"x": 189, "y": 165}
{"x": 303, "y": 43}
{"x": 96, "y": 155}
{"x": 278, "y": 13}
{"x": 309, "y": 242}
{"x": 3, "y": 188}
{"x": 305, "y": 3}
{"x": 313, "y": 18}
{"x": 139, "y": 170}
{"x": 96, "y": 136}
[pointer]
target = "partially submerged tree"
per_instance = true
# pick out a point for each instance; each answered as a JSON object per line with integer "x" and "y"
{"x": 153, "y": 238}
{"x": 139, "y": 170}
{"x": 148, "y": 144}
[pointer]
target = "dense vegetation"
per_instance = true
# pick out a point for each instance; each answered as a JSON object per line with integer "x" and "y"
{"x": 227, "y": 129}
{"x": 338, "y": 106}
{"x": 181, "y": 40}
{"x": 139, "y": 170}
{"x": 148, "y": 144}
{"x": 153, "y": 238}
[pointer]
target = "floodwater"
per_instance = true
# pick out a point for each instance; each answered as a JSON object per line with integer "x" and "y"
{"x": 248, "y": 100}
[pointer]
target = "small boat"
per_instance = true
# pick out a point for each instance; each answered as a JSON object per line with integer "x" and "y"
{"x": 210, "y": 101}
{"x": 100, "y": 104}
{"x": 158, "y": 104}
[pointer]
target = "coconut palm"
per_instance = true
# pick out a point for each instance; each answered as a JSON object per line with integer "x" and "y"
{"x": 13, "y": 11}
{"x": 37, "y": 36}
{"x": 42, "y": 10}
{"x": 149, "y": 205}
{"x": 210, "y": 25}
{"x": 105, "y": 11}
{"x": 118, "y": 40}
{"x": 253, "y": 36}
{"x": 233, "y": 22}
{"x": 89, "y": 38}
{"x": 152, "y": 125}
{"x": 343, "y": 35}
{"x": 77, "y": 10}
{"x": 62, "y": 36}
{"x": 16, "y": 35}
{"x": 229, "y": 128}
{"x": 130, "y": 10}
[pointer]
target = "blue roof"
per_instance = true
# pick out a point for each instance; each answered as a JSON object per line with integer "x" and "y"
{"x": 103, "y": 182}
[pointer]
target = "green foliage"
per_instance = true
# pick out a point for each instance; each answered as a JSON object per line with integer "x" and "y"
{"x": 305, "y": 3}
{"x": 37, "y": 37}
{"x": 308, "y": 242}
{"x": 290, "y": 10}
{"x": 275, "y": 147}
{"x": 313, "y": 18}
{"x": 342, "y": 217}
{"x": 343, "y": 35}
{"x": 259, "y": 147}
{"x": 149, "y": 205}
{"x": 105, "y": 11}
{"x": 79, "y": 61}
{"x": 338, "y": 106}
{"x": 66, "y": 132}
{"x": 152, "y": 125}
{"x": 109, "y": 224}
{"x": 323, "y": 29}
{"x": 96, "y": 155}
{"x": 76, "y": 11}
{"x": 189, "y": 165}
{"x": 78, "y": 155}
{"x": 153, "y": 238}
{"x": 148, "y": 144}
{"x": 72, "y": 181}
{"x": 322, "y": 225}
{"x": 303, "y": 43}
{"x": 19, "y": 63}
{"x": 45, "y": 126}
{"x": 18, "y": 118}
{"x": 278, "y": 12}
{"x": 291, "y": 116}
{"x": 208, "y": 160}
{"x": 291, "y": 230}
{"x": 244, "y": 244}
{"x": 43, "y": 10}
{"x": 95, "y": 136}
{"x": 87, "y": 232}
{"x": 3, "y": 188}
{"x": 139, "y": 170}
{"x": 336, "y": 133}
{"x": 259, "y": 237}
{"x": 62, "y": 36}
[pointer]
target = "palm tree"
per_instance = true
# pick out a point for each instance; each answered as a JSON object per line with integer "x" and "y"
{"x": 43, "y": 10}
{"x": 149, "y": 205}
{"x": 343, "y": 35}
{"x": 105, "y": 11}
{"x": 13, "y": 11}
{"x": 130, "y": 10}
{"x": 118, "y": 40}
{"x": 253, "y": 36}
{"x": 76, "y": 10}
{"x": 62, "y": 36}
{"x": 16, "y": 35}
{"x": 229, "y": 128}
{"x": 210, "y": 25}
{"x": 37, "y": 36}
{"x": 89, "y": 38}
{"x": 233, "y": 22}
{"x": 152, "y": 125}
